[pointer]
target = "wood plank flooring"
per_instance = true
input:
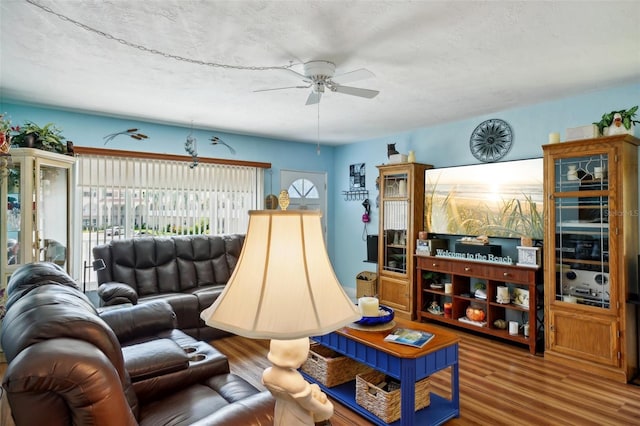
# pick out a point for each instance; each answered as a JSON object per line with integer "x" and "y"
{"x": 500, "y": 384}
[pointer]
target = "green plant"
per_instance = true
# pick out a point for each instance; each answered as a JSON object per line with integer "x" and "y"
{"x": 432, "y": 277}
{"x": 627, "y": 119}
{"x": 480, "y": 285}
{"x": 48, "y": 137}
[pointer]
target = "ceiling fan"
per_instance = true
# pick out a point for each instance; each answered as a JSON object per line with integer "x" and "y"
{"x": 319, "y": 75}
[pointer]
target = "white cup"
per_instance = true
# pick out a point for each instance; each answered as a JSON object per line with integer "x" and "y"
{"x": 570, "y": 299}
{"x": 526, "y": 329}
{"x": 513, "y": 328}
{"x": 448, "y": 288}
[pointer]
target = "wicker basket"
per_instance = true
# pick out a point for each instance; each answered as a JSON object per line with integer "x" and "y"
{"x": 366, "y": 286}
{"x": 331, "y": 368}
{"x": 386, "y": 405}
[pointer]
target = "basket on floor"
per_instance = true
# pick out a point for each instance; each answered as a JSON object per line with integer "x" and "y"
{"x": 386, "y": 404}
{"x": 366, "y": 283}
{"x": 331, "y": 368}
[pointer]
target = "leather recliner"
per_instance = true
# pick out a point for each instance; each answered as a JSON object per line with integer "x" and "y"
{"x": 71, "y": 364}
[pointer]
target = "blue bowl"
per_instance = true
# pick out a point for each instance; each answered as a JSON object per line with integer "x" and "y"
{"x": 383, "y": 319}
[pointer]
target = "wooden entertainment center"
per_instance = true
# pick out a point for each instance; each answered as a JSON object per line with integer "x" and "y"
{"x": 463, "y": 274}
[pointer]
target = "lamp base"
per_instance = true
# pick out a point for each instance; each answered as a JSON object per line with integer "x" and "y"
{"x": 298, "y": 402}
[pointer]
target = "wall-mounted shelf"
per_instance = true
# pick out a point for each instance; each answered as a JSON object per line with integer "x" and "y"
{"x": 355, "y": 194}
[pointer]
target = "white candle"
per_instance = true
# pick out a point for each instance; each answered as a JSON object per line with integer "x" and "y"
{"x": 554, "y": 137}
{"x": 368, "y": 306}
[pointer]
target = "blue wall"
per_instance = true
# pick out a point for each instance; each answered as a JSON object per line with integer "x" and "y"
{"x": 448, "y": 145}
{"x": 88, "y": 131}
{"x": 442, "y": 145}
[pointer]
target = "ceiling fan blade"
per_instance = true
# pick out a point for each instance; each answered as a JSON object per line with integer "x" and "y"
{"x": 302, "y": 76}
{"x": 283, "y": 88}
{"x": 356, "y": 75}
{"x": 356, "y": 91}
{"x": 314, "y": 98}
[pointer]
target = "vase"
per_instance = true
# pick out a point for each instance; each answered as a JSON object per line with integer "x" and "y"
{"x": 618, "y": 130}
{"x": 30, "y": 140}
{"x": 402, "y": 188}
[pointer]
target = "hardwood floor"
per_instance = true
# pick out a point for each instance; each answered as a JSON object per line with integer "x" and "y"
{"x": 500, "y": 384}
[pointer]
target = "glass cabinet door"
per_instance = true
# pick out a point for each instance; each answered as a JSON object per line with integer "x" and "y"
{"x": 52, "y": 231}
{"x": 35, "y": 222}
{"x": 13, "y": 219}
{"x": 395, "y": 205}
{"x": 581, "y": 208}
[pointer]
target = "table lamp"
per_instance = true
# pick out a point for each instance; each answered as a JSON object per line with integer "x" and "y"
{"x": 284, "y": 288}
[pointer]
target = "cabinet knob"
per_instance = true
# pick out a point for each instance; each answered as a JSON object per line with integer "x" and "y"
{"x": 435, "y": 264}
{"x": 506, "y": 274}
{"x": 467, "y": 269}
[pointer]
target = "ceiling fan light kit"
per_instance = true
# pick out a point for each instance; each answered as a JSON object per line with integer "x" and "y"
{"x": 319, "y": 75}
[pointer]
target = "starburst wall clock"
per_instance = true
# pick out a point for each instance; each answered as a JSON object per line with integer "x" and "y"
{"x": 491, "y": 140}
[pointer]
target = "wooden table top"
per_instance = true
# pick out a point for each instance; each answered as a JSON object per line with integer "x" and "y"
{"x": 375, "y": 339}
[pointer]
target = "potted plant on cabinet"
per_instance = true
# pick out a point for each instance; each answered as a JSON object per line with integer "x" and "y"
{"x": 48, "y": 137}
{"x": 617, "y": 122}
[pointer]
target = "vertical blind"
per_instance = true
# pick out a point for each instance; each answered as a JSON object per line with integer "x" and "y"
{"x": 124, "y": 197}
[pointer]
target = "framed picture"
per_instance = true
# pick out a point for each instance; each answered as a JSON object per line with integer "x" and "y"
{"x": 357, "y": 177}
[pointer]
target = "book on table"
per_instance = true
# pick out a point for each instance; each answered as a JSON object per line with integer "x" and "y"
{"x": 407, "y": 336}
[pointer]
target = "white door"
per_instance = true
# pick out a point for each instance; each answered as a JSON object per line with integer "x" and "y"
{"x": 307, "y": 191}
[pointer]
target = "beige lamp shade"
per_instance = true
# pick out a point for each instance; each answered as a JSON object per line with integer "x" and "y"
{"x": 283, "y": 286}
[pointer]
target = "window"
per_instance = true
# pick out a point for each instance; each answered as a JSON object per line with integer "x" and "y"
{"x": 125, "y": 197}
{"x": 303, "y": 188}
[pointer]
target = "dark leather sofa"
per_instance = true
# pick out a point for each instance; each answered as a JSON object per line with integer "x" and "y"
{"x": 189, "y": 272}
{"x": 71, "y": 364}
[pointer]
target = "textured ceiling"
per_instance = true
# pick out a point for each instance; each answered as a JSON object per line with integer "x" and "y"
{"x": 433, "y": 61}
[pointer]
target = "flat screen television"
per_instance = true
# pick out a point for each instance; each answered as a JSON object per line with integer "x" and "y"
{"x": 503, "y": 199}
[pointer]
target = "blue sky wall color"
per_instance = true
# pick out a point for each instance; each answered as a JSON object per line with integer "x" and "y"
{"x": 88, "y": 130}
{"x": 448, "y": 145}
{"x": 442, "y": 146}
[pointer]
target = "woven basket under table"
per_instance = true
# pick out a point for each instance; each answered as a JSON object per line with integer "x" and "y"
{"x": 386, "y": 405}
{"x": 331, "y": 368}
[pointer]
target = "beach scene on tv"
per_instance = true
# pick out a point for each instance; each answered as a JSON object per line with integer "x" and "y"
{"x": 495, "y": 199}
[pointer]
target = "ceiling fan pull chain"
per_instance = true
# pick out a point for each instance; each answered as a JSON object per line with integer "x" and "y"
{"x": 318, "y": 132}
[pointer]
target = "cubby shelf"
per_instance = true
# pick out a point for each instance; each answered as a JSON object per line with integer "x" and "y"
{"x": 462, "y": 274}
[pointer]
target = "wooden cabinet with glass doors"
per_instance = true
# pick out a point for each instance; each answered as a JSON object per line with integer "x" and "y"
{"x": 591, "y": 248}
{"x": 401, "y": 205}
{"x": 35, "y": 220}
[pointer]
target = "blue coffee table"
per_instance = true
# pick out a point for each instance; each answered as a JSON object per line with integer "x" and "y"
{"x": 401, "y": 362}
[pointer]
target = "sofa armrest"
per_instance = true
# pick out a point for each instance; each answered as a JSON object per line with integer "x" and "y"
{"x": 154, "y": 358}
{"x": 81, "y": 386}
{"x": 145, "y": 320}
{"x": 114, "y": 293}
